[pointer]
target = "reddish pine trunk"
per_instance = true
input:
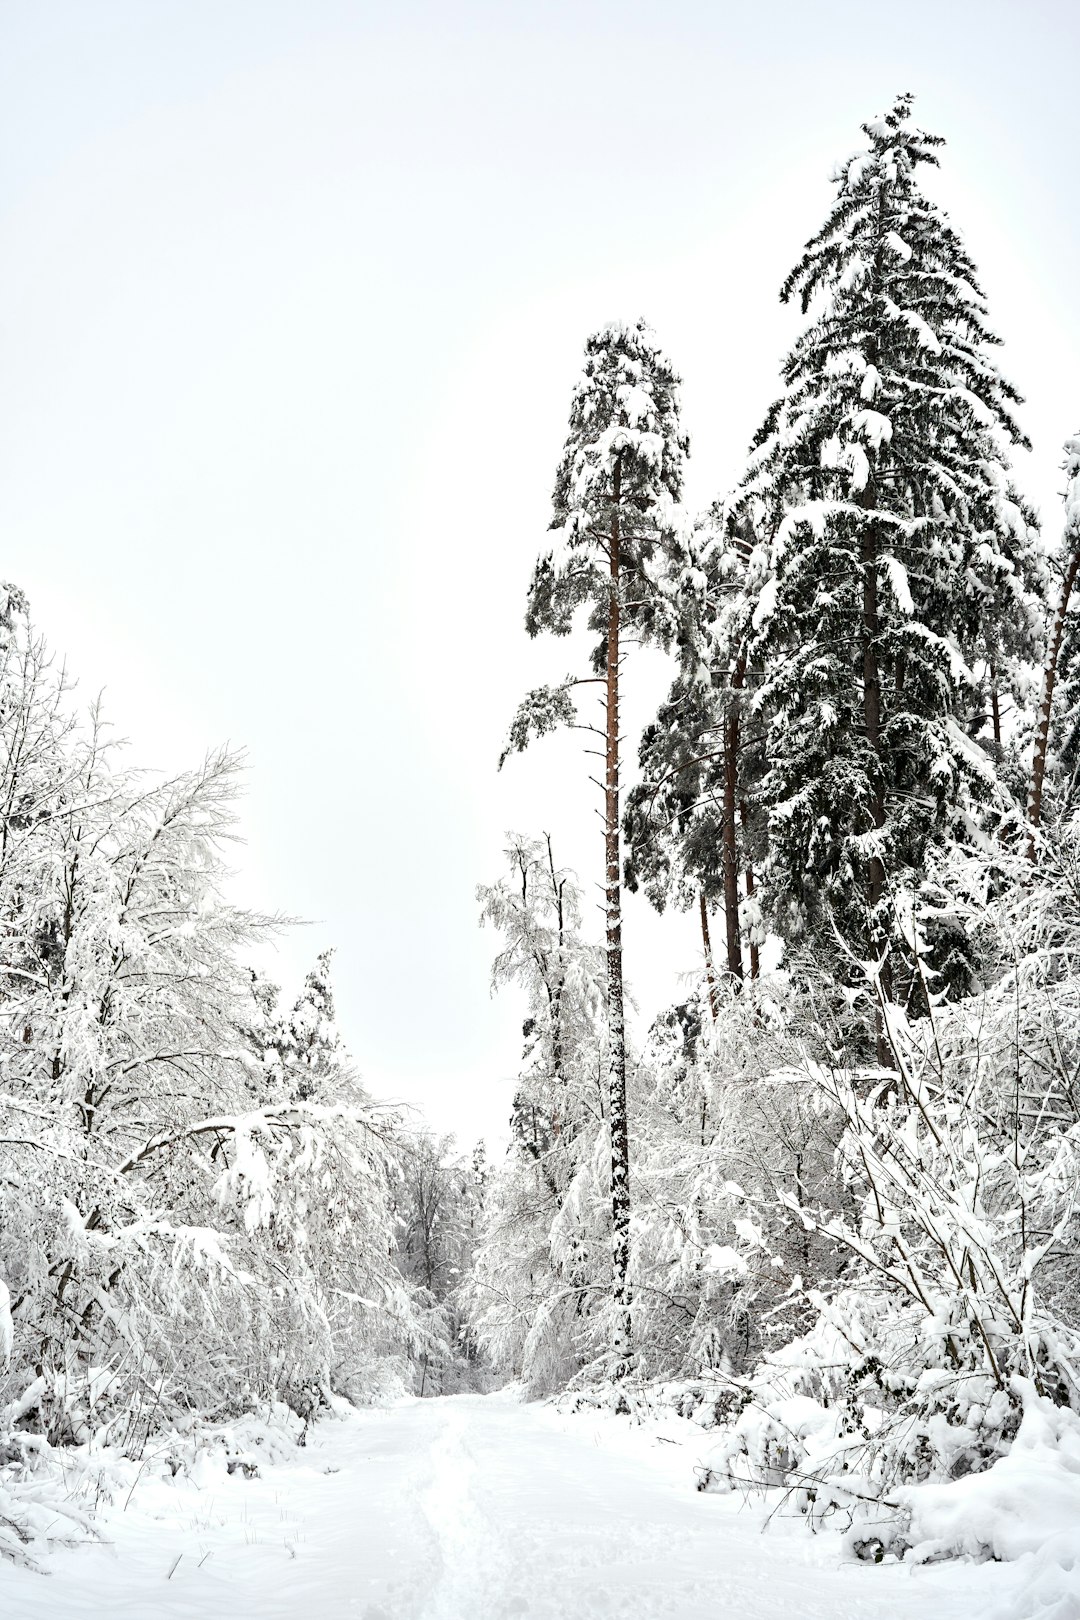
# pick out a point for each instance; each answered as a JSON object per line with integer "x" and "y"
{"x": 620, "y": 1147}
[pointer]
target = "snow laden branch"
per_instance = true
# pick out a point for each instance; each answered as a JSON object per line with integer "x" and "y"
{"x": 541, "y": 711}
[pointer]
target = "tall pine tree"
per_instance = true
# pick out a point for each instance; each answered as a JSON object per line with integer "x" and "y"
{"x": 619, "y": 554}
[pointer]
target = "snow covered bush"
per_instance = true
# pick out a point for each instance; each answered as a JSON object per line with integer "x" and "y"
{"x": 955, "y": 1302}
{"x": 727, "y": 1136}
{"x": 1029, "y": 1498}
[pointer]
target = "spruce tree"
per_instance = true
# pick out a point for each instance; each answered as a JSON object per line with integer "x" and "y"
{"x": 619, "y": 555}
{"x": 892, "y": 573}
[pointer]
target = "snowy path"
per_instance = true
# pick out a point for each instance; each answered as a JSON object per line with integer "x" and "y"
{"x": 474, "y": 1508}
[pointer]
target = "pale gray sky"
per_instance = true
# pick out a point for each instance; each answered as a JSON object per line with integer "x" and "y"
{"x": 291, "y": 301}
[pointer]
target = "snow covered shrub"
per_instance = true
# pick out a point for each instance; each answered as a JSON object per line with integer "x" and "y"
{"x": 1029, "y": 1498}
{"x": 38, "y": 1507}
{"x": 959, "y": 1166}
{"x": 727, "y": 1137}
{"x": 862, "y": 1401}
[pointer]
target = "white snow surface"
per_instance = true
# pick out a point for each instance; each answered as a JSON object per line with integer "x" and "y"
{"x": 478, "y": 1508}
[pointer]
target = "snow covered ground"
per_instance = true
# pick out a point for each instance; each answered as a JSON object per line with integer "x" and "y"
{"x": 476, "y": 1508}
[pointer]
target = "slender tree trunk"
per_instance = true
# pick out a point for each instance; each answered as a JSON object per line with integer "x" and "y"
{"x": 555, "y": 991}
{"x": 620, "y": 1147}
{"x": 755, "y": 954}
{"x": 730, "y": 847}
{"x": 1042, "y": 735}
{"x": 714, "y": 1005}
{"x": 995, "y": 710}
{"x": 872, "y": 722}
{"x": 872, "y": 707}
{"x": 730, "y": 843}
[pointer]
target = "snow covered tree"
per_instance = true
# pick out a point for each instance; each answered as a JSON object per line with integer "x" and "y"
{"x": 182, "y": 1226}
{"x": 893, "y": 573}
{"x": 535, "y": 1295}
{"x": 439, "y": 1205}
{"x": 1063, "y": 651}
{"x": 300, "y": 1053}
{"x": 619, "y": 554}
{"x": 537, "y": 909}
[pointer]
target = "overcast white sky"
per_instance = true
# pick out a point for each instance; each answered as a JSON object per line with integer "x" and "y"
{"x": 292, "y": 297}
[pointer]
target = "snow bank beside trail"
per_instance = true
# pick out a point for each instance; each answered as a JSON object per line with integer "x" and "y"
{"x": 1023, "y": 1510}
{"x": 50, "y": 1495}
{"x": 1026, "y": 1507}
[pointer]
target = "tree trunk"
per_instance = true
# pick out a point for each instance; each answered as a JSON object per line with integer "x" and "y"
{"x": 875, "y": 888}
{"x": 872, "y": 707}
{"x": 995, "y": 711}
{"x": 714, "y": 1005}
{"x": 1042, "y": 735}
{"x": 729, "y": 845}
{"x": 620, "y": 1148}
{"x": 755, "y": 954}
{"x": 555, "y": 991}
